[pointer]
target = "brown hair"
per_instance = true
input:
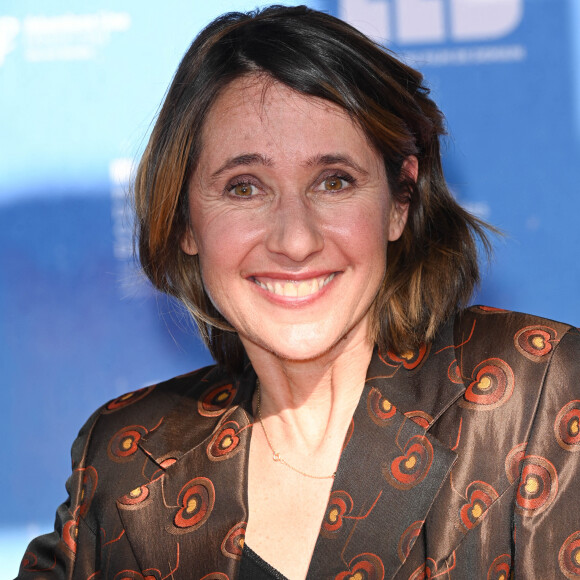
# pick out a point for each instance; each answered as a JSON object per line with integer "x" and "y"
{"x": 431, "y": 270}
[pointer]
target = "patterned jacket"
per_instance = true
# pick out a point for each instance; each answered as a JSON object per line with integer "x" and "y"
{"x": 462, "y": 461}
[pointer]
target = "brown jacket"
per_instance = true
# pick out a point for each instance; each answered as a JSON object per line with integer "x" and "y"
{"x": 462, "y": 461}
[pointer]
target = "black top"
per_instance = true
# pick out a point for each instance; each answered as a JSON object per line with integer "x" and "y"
{"x": 253, "y": 567}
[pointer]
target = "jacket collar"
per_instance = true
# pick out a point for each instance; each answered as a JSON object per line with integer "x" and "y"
{"x": 389, "y": 474}
{"x": 392, "y": 468}
{"x": 196, "y": 502}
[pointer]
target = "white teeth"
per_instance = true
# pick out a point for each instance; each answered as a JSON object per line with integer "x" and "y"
{"x": 304, "y": 288}
{"x": 300, "y": 288}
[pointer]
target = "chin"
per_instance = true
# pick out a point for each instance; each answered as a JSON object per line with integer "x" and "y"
{"x": 305, "y": 345}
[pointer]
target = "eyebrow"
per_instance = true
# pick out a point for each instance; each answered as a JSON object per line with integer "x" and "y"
{"x": 241, "y": 160}
{"x": 336, "y": 159}
{"x": 315, "y": 161}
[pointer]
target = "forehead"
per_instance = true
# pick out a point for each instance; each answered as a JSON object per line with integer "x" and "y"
{"x": 259, "y": 110}
{"x": 261, "y": 93}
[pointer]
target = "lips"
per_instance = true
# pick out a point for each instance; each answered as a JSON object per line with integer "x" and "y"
{"x": 294, "y": 288}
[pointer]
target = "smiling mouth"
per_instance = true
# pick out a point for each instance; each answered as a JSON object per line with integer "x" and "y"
{"x": 295, "y": 288}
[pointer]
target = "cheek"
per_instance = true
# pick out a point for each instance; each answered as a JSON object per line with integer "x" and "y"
{"x": 218, "y": 269}
{"x": 223, "y": 243}
{"x": 362, "y": 233}
{"x": 217, "y": 256}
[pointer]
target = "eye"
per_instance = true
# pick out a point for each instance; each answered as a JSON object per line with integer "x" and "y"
{"x": 336, "y": 182}
{"x": 242, "y": 189}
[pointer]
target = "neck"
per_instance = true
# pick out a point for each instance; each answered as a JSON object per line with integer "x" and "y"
{"x": 310, "y": 403}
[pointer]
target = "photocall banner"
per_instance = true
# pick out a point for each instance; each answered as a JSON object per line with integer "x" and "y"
{"x": 79, "y": 88}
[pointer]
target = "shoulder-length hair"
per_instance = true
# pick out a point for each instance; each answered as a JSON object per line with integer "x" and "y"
{"x": 431, "y": 270}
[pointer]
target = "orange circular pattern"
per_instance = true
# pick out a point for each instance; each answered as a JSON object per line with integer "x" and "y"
{"x": 500, "y": 568}
{"x": 225, "y": 442}
{"x": 491, "y": 386}
{"x": 535, "y": 342}
{"x": 410, "y": 359}
{"x": 215, "y": 401}
{"x": 233, "y": 544}
{"x": 135, "y": 497}
{"x": 567, "y": 426}
{"x": 29, "y": 561}
{"x": 408, "y": 538}
{"x": 70, "y": 532}
{"x": 196, "y": 498}
{"x": 480, "y": 496}
{"x": 569, "y": 556}
{"x": 124, "y": 443}
{"x": 363, "y": 567}
{"x": 340, "y": 504}
{"x": 89, "y": 485}
{"x": 513, "y": 462}
{"x": 454, "y": 373}
{"x": 127, "y": 399}
{"x": 409, "y": 469}
{"x": 380, "y": 409}
{"x": 538, "y": 486}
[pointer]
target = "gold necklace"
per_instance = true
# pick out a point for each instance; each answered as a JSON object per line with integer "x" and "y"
{"x": 275, "y": 455}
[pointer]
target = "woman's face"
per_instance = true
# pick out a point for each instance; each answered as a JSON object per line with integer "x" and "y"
{"x": 290, "y": 214}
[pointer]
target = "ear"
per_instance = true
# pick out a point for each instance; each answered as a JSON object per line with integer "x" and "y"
{"x": 400, "y": 211}
{"x": 188, "y": 243}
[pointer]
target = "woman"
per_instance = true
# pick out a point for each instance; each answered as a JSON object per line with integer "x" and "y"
{"x": 358, "y": 423}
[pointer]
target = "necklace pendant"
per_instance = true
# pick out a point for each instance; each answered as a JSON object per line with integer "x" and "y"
{"x": 276, "y": 456}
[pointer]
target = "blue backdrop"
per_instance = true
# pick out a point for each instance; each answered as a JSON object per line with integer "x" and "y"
{"x": 78, "y": 90}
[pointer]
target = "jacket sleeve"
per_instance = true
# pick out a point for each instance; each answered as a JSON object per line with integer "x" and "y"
{"x": 54, "y": 555}
{"x": 547, "y": 504}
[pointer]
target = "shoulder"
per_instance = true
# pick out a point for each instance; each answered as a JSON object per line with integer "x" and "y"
{"x": 481, "y": 330}
{"x": 183, "y": 405}
{"x": 522, "y": 391}
{"x": 132, "y": 439}
{"x": 503, "y": 356}
{"x": 501, "y": 319}
{"x": 162, "y": 396}
{"x": 152, "y": 399}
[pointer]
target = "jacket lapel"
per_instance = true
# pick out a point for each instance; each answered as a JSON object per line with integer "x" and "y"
{"x": 392, "y": 468}
{"x": 190, "y": 520}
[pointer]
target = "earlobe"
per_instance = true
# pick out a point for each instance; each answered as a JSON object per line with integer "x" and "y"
{"x": 400, "y": 211}
{"x": 399, "y": 214}
{"x": 188, "y": 243}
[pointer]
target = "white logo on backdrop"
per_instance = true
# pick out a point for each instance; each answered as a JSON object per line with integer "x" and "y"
{"x": 9, "y": 29}
{"x": 63, "y": 37}
{"x": 416, "y": 22}
{"x": 433, "y": 21}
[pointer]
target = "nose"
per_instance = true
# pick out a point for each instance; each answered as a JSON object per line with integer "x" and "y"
{"x": 295, "y": 229}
